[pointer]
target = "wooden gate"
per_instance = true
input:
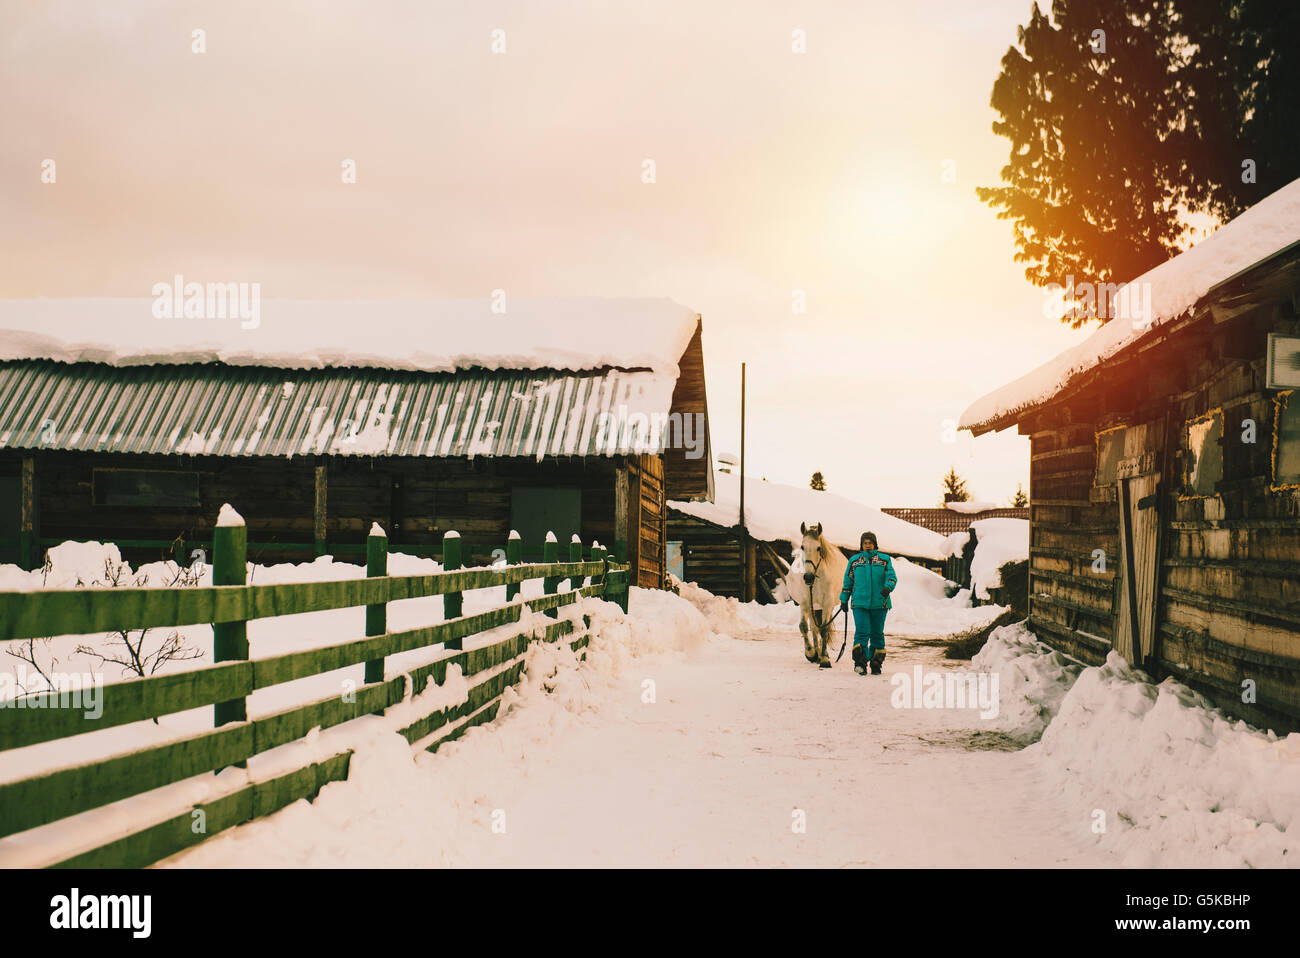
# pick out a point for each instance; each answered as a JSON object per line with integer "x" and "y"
{"x": 1139, "y": 536}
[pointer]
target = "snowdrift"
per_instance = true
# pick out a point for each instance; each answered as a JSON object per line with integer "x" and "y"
{"x": 1176, "y": 782}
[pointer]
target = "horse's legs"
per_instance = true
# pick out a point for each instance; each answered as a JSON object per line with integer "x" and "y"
{"x": 823, "y": 655}
{"x": 809, "y": 650}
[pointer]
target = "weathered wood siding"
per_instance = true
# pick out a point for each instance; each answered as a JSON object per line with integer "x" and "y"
{"x": 416, "y": 500}
{"x": 689, "y": 474}
{"x": 647, "y": 521}
{"x": 1227, "y": 600}
{"x": 710, "y": 555}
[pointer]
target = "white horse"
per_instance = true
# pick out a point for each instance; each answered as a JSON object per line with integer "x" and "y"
{"x": 815, "y": 583}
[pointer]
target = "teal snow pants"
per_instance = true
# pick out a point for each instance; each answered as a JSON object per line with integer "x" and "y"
{"x": 869, "y": 629}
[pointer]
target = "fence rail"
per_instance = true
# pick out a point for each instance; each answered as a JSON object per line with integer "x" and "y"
{"x": 57, "y": 794}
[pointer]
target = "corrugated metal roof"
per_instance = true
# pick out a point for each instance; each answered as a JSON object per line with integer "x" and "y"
{"x": 220, "y": 410}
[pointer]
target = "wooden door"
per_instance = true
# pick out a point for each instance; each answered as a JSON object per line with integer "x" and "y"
{"x": 1139, "y": 536}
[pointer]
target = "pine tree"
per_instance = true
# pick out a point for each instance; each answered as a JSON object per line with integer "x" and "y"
{"x": 1019, "y": 500}
{"x": 1124, "y": 113}
{"x": 818, "y": 482}
{"x": 954, "y": 488}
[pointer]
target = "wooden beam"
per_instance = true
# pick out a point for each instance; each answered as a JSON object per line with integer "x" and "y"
{"x": 28, "y": 529}
{"x": 620, "y": 513}
{"x": 319, "y": 523}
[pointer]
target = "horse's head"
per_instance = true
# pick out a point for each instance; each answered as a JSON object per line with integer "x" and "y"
{"x": 812, "y": 551}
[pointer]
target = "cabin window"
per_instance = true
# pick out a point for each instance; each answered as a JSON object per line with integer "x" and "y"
{"x": 1286, "y": 454}
{"x": 1204, "y": 463}
{"x": 537, "y": 510}
{"x": 142, "y": 487}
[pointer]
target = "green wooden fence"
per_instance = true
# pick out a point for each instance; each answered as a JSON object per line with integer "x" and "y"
{"x": 228, "y": 605}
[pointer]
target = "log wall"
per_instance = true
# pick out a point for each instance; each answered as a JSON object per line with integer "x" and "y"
{"x": 415, "y": 500}
{"x": 1228, "y": 572}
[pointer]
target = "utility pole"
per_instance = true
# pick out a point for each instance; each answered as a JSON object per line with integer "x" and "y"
{"x": 744, "y": 532}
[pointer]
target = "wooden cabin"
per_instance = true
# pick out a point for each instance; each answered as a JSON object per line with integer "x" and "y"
{"x": 144, "y": 455}
{"x": 1165, "y": 474}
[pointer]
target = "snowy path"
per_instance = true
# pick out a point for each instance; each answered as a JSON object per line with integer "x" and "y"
{"x": 748, "y": 732}
{"x": 743, "y": 732}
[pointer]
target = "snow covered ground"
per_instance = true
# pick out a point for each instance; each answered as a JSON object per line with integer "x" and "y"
{"x": 675, "y": 746}
{"x": 694, "y": 734}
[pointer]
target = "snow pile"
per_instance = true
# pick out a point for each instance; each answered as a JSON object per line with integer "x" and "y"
{"x": 1032, "y": 679}
{"x": 401, "y": 806}
{"x": 434, "y": 335}
{"x": 728, "y": 616}
{"x": 1174, "y": 287}
{"x": 774, "y": 512}
{"x": 999, "y": 541}
{"x": 921, "y": 608}
{"x": 1181, "y": 784}
{"x": 955, "y": 543}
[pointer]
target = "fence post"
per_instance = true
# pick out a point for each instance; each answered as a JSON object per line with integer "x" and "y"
{"x": 376, "y": 615}
{"x": 598, "y": 555}
{"x": 452, "y": 602}
{"x": 514, "y": 556}
{"x": 575, "y": 555}
{"x": 229, "y": 639}
{"x": 551, "y": 584}
{"x": 620, "y": 556}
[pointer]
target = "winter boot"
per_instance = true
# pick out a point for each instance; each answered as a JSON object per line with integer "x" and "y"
{"x": 877, "y": 661}
{"x": 859, "y": 660}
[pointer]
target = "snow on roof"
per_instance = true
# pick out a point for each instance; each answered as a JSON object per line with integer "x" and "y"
{"x": 429, "y": 335}
{"x": 774, "y": 512}
{"x": 970, "y": 508}
{"x": 1175, "y": 286}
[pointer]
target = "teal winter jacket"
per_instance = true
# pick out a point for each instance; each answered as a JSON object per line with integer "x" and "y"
{"x": 868, "y": 573}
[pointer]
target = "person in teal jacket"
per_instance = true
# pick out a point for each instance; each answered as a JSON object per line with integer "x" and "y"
{"x": 867, "y": 582}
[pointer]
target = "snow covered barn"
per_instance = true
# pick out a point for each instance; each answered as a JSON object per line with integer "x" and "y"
{"x": 708, "y": 534}
{"x": 576, "y": 416}
{"x": 1165, "y": 472}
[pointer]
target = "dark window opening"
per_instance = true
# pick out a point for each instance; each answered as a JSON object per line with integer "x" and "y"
{"x": 141, "y": 487}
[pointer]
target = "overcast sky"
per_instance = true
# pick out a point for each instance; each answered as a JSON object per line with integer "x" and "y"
{"x": 774, "y": 171}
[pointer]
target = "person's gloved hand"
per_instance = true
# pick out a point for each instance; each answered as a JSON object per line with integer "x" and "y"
{"x": 844, "y": 606}
{"x": 884, "y": 593}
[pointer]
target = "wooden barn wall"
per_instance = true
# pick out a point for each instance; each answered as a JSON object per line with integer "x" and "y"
{"x": 647, "y": 520}
{"x": 415, "y": 500}
{"x": 710, "y": 556}
{"x": 1228, "y": 572}
{"x": 687, "y": 478}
